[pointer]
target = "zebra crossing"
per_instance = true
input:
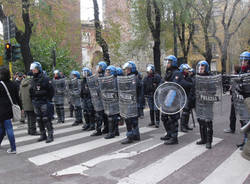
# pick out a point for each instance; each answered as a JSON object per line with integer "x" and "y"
{"x": 148, "y": 161}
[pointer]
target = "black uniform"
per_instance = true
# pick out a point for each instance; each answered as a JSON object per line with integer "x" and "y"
{"x": 170, "y": 122}
{"x": 87, "y": 106}
{"x": 42, "y": 92}
{"x": 150, "y": 83}
{"x": 189, "y": 105}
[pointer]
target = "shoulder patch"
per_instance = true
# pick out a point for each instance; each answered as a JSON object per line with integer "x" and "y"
{"x": 176, "y": 77}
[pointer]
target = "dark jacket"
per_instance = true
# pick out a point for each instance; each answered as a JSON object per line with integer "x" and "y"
{"x": 150, "y": 83}
{"x": 85, "y": 93}
{"x": 5, "y": 104}
{"x": 41, "y": 88}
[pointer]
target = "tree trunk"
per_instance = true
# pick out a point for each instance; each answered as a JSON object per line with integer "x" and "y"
{"x": 99, "y": 39}
{"x": 157, "y": 56}
{"x": 175, "y": 34}
{"x": 26, "y": 54}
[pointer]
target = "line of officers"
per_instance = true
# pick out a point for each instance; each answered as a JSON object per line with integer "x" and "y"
{"x": 43, "y": 91}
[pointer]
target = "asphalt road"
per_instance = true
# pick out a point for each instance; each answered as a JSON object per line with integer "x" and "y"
{"x": 77, "y": 158}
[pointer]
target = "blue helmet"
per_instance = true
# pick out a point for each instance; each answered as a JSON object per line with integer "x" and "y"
{"x": 133, "y": 66}
{"x": 86, "y": 72}
{"x": 150, "y": 67}
{"x": 36, "y": 65}
{"x": 103, "y": 65}
{"x": 76, "y": 73}
{"x": 202, "y": 63}
{"x": 119, "y": 71}
{"x": 111, "y": 69}
{"x": 171, "y": 58}
{"x": 245, "y": 56}
{"x": 184, "y": 67}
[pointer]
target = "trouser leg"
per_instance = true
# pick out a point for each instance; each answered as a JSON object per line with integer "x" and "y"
{"x": 10, "y": 133}
{"x": 232, "y": 118}
{"x": 157, "y": 118}
{"x": 105, "y": 123}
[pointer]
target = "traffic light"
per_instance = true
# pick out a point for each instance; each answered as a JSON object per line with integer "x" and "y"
{"x": 8, "y": 52}
{"x": 16, "y": 52}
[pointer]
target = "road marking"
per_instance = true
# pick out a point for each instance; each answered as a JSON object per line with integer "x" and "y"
{"x": 80, "y": 148}
{"x": 66, "y": 123}
{"x": 235, "y": 169}
{"x": 119, "y": 154}
{"x": 162, "y": 168}
{"x": 29, "y": 137}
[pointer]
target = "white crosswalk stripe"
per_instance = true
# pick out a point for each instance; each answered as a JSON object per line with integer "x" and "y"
{"x": 73, "y": 150}
{"x": 156, "y": 172}
{"x": 233, "y": 169}
{"x": 238, "y": 167}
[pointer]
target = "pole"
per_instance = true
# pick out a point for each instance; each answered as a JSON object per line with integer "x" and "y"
{"x": 10, "y": 68}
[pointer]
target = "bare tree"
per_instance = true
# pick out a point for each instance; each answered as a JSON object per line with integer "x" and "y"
{"x": 155, "y": 29}
{"x": 185, "y": 26}
{"x": 227, "y": 32}
{"x": 204, "y": 14}
{"x": 99, "y": 39}
{"x": 23, "y": 38}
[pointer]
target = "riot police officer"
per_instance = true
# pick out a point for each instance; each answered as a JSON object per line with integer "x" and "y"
{"x": 87, "y": 106}
{"x": 74, "y": 87}
{"x": 206, "y": 125}
{"x": 170, "y": 122}
{"x": 112, "y": 105}
{"x": 133, "y": 133}
{"x": 101, "y": 117}
{"x": 41, "y": 93}
{"x": 184, "y": 69}
{"x": 60, "y": 87}
{"x": 150, "y": 83}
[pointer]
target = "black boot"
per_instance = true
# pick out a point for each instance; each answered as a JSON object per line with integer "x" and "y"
{"x": 152, "y": 118}
{"x": 96, "y": 133}
{"x": 184, "y": 122}
{"x": 76, "y": 123}
{"x": 136, "y": 137}
{"x": 128, "y": 140}
{"x": 157, "y": 119}
{"x": 203, "y": 133}
{"x": 50, "y": 137}
{"x": 166, "y": 137}
{"x": 85, "y": 127}
{"x": 171, "y": 141}
{"x": 43, "y": 137}
{"x": 209, "y": 135}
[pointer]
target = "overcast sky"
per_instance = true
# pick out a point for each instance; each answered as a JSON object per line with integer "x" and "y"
{"x": 87, "y": 10}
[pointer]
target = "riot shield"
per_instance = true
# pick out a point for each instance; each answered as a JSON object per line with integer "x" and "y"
{"x": 95, "y": 93}
{"x": 127, "y": 96}
{"x": 208, "y": 90}
{"x": 109, "y": 94}
{"x": 170, "y": 98}
{"x": 239, "y": 105}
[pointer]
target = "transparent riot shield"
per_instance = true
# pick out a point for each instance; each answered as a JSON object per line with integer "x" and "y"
{"x": 109, "y": 92}
{"x": 127, "y": 96}
{"x": 170, "y": 98}
{"x": 241, "y": 81}
{"x": 95, "y": 93}
{"x": 208, "y": 90}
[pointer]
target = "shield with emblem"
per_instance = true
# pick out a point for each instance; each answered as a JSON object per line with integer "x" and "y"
{"x": 59, "y": 87}
{"x": 208, "y": 90}
{"x": 242, "y": 82}
{"x": 95, "y": 92}
{"x": 170, "y": 98}
{"x": 127, "y": 96}
{"x": 109, "y": 92}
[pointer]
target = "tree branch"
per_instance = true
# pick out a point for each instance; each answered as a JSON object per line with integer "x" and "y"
{"x": 232, "y": 13}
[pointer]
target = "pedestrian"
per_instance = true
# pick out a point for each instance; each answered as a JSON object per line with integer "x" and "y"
{"x": 74, "y": 87}
{"x": 129, "y": 89}
{"x": 58, "y": 99}
{"x": 27, "y": 103}
{"x": 150, "y": 83}
{"x": 6, "y": 108}
{"x": 41, "y": 93}
{"x": 184, "y": 69}
{"x": 170, "y": 122}
{"x": 87, "y": 106}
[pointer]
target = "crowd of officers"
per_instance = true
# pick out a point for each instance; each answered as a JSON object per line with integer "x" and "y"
{"x": 40, "y": 95}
